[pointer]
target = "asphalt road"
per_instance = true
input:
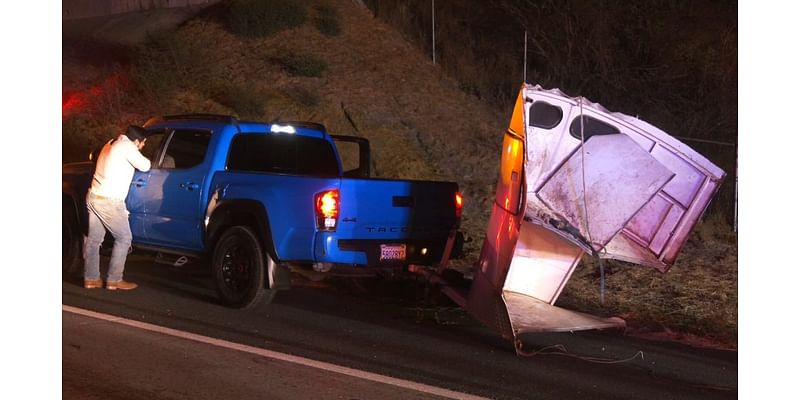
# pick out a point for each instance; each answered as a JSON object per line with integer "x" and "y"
{"x": 377, "y": 328}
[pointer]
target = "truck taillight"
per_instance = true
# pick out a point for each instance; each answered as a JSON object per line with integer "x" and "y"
{"x": 327, "y": 209}
{"x": 459, "y": 204}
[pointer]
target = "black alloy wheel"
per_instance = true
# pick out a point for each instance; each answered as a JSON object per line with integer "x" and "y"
{"x": 239, "y": 269}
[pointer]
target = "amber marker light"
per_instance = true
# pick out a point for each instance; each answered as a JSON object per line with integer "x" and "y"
{"x": 459, "y": 204}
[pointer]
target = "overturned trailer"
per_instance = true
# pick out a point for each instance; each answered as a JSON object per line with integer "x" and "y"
{"x": 574, "y": 179}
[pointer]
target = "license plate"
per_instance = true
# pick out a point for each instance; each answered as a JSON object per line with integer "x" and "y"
{"x": 393, "y": 252}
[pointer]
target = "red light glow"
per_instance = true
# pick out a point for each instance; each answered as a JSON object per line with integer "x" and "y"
{"x": 81, "y": 101}
{"x": 328, "y": 204}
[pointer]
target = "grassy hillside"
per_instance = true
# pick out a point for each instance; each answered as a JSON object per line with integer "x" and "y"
{"x": 332, "y": 62}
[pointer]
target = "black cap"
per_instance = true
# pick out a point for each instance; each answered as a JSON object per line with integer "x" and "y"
{"x": 136, "y": 133}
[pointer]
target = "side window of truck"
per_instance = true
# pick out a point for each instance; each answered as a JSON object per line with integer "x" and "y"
{"x": 152, "y": 148}
{"x": 282, "y": 154}
{"x": 186, "y": 149}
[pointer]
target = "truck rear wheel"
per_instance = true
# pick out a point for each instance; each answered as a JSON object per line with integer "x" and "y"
{"x": 71, "y": 242}
{"x": 239, "y": 269}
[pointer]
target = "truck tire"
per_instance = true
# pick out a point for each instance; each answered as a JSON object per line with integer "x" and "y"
{"x": 239, "y": 269}
{"x": 71, "y": 242}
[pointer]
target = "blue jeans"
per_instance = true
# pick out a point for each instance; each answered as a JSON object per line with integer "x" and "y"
{"x": 112, "y": 215}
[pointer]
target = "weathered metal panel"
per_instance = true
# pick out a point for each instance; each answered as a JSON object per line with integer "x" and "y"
{"x": 692, "y": 215}
{"x": 666, "y": 229}
{"x": 528, "y": 314}
{"x": 542, "y": 264}
{"x": 484, "y": 300}
{"x": 620, "y": 178}
{"x": 624, "y": 247}
{"x": 642, "y": 226}
{"x": 688, "y": 179}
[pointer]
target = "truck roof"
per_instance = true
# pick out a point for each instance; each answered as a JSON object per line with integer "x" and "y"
{"x": 304, "y": 128}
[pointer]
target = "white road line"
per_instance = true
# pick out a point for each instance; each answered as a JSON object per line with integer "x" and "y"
{"x": 419, "y": 387}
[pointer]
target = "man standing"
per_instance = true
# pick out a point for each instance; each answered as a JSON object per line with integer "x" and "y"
{"x": 105, "y": 202}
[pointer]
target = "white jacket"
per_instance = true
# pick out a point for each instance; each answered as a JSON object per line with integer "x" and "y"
{"x": 115, "y": 167}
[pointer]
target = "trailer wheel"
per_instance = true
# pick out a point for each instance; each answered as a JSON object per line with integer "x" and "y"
{"x": 239, "y": 269}
{"x": 71, "y": 242}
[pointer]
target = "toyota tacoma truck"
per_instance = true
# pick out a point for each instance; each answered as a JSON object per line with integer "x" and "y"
{"x": 251, "y": 199}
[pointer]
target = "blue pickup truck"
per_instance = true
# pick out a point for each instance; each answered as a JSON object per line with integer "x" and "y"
{"x": 253, "y": 199}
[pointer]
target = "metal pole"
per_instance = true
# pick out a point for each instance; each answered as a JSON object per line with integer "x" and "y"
{"x": 433, "y": 30}
{"x": 525, "y": 60}
{"x": 736, "y": 196}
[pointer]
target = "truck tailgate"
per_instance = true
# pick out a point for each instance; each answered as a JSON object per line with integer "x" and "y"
{"x": 390, "y": 221}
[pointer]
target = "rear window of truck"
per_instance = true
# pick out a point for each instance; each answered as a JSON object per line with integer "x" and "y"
{"x": 282, "y": 154}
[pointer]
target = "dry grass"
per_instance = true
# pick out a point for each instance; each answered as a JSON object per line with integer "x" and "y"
{"x": 421, "y": 126}
{"x": 697, "y": 297}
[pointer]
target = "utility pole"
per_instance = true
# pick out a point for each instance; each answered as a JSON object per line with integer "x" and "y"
{"x": 736, "y": 194}
{"x": 525, "y": 60}
{"x": 433, "y": 30}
